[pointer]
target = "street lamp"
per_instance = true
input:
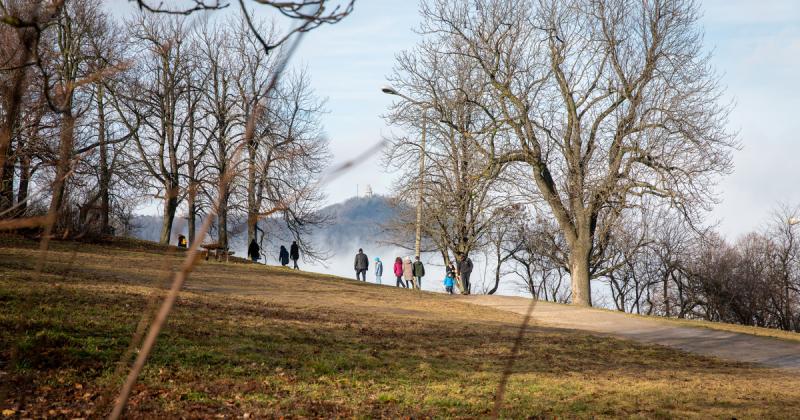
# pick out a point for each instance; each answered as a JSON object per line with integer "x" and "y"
{"x": 794, "y": 221}
{"x": 418, "y": 238}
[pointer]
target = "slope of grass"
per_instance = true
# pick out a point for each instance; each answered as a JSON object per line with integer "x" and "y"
{"x": 248, "y": 340}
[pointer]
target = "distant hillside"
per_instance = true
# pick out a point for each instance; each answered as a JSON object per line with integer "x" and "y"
{"x": 357, "y": 220}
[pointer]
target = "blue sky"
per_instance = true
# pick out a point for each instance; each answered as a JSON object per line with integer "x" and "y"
{"x": 756, "y": 46}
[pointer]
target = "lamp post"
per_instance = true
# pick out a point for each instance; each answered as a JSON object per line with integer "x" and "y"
{"x": 418, "y": 238}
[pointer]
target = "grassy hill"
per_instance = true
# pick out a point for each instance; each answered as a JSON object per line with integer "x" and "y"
{"x": 247, "y": 340}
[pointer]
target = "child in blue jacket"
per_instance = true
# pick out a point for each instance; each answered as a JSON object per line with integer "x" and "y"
{"x": 449, "y": 281}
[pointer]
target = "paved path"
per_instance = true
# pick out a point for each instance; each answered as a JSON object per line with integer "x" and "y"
{"x": 727, "y": 345}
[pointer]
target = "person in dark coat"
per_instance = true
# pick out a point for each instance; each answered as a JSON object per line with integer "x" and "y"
{"x": 294, "y": 254}
{"x": 284, "y": 256}
{"x": 450, "y": 269}
{"x": 361, "y": 265}
{"x": 464, "y": 270}
{"x": 254, "y": 251}
{"x": 419, "y": 271}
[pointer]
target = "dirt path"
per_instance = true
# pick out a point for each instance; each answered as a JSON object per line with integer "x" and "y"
{"x": 727, "y": 345}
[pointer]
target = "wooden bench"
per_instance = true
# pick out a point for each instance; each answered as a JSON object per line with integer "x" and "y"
{"x": 219, "y": 251}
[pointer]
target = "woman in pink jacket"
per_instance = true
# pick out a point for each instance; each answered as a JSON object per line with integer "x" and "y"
{"x": 398, "y": 271}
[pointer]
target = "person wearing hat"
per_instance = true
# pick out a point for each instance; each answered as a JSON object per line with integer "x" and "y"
{"x": 378, "y": 270}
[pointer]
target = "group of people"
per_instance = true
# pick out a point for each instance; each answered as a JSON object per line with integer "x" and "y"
{"x": 293, "y": 254}
{"x": 410, "y": 274}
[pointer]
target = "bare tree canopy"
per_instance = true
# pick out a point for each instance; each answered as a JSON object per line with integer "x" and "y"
{"x": 602, "y": 103}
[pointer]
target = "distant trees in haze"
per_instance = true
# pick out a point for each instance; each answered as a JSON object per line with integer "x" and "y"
{"x": 98, "y": 113}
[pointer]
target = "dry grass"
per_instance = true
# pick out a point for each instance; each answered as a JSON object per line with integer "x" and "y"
{"x": 263, "y": 341}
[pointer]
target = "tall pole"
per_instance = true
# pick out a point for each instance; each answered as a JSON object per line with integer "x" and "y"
{"x": 418, "y": 237}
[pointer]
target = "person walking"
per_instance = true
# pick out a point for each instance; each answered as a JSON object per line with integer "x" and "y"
{"x": 408, "y": 273}
{"x": 449, "y": 281}
{"x": 464, "y": 270}
{"x": 284, "y": 256}
{"x": 254, "y": 251}
{"x": 398, "y": 272}
{"x": 378, "y": 270}
{"x": 361, "y": 265}
{"x": 294, "y": 254}
{"x": 419, "y": 272}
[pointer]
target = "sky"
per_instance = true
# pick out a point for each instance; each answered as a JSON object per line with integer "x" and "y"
{"x": 755, "y": 46}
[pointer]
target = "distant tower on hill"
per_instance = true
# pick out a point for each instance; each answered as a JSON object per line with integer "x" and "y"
{"x": 368, "y": 191}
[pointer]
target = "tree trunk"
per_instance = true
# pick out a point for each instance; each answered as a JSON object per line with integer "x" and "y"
{"x": 666, "y": 297}
{"x": 62, "y": 168}
{"x": 580, "y": 253}
{"x": 191, "y": 199}
{"x": 252, "y": 206}
{"x": 24, "y": 184}
{"x": 191, "y": 218}
{"x": 13, "y": 100}
{"x": 7, "y": 180}
{"x": 222, "y": 219}
{"x": 499, "y": 262}
{"x": 105, "y": 206}
{"x": 170, "y": 207}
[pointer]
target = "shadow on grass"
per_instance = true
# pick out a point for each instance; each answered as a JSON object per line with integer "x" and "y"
{"x": 307, "y": 354}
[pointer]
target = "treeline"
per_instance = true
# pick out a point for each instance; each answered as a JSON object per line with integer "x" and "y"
{"x": 199, "y": 115}
{"x": 663, "y": 266}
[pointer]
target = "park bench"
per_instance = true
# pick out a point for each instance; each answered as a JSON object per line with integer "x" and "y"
{"x": 218, "y": 250}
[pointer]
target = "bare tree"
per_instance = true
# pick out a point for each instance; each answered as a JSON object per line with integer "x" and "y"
{"x": 20, "y": 32}
{"x": 537, "y": 259}
{"x": 225, "y": 118}
{"x": 461, "y": 202}
{"x": 785, "y": 266}
{"x": 152, "y": 106}
{"x": 607, "y": 102}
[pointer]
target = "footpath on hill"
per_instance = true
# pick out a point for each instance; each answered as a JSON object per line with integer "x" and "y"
{"x": 742, "y": 347}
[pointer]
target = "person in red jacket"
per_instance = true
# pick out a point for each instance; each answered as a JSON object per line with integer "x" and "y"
{"x": 398, "y": 271}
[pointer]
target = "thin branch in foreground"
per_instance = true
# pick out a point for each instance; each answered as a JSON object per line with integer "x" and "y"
{"x": 169, "y": 301}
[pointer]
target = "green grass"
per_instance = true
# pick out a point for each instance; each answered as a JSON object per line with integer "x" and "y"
{"x": 246, "y": 339}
